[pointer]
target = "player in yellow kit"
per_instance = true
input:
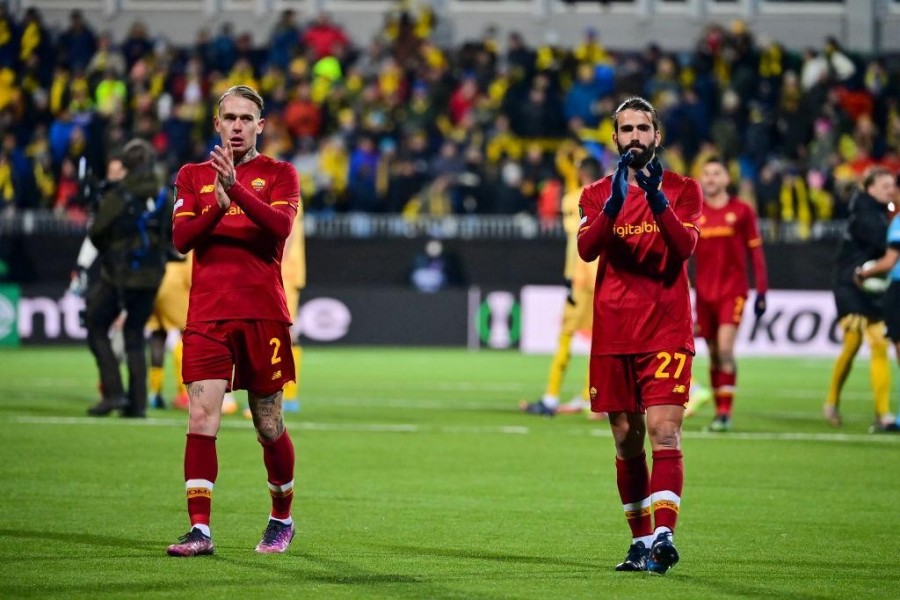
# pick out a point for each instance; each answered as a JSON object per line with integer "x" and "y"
{"x": 578, "y": 310}
{"x": 293, "y": 274}
{"x": 169, "y": 312}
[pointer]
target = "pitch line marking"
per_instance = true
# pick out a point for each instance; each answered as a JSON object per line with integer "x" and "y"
{"x": 461, "y": 429}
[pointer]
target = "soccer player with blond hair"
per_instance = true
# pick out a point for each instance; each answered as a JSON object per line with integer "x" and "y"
{"x": 235, "y": 212}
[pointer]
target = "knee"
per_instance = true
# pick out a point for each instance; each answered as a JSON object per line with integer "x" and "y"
{"x": 666, "y": 434}
{"x": 92, "y": 321}
{"x": 134, "y": 340}
{"x": 268, "y": 429}
{"x": 202, "y": 421}
{"x": 204, "y": 415}
{"x": 629, "y": 442}
{"x": 879, "y": 345}
{"x": 197, "y": 422}
{"x": 726, "y": 361}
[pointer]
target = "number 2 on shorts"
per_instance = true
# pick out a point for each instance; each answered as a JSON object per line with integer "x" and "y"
{"x": 277, "y": 343}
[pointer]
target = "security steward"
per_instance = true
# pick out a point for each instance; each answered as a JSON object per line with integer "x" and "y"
{"x": 131, "y": 230}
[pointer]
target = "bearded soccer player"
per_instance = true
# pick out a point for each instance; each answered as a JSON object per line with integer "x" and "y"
{"x": 728, "y": 233}
{"x": 643, "y": 222}
{"x": 235, "y": 211}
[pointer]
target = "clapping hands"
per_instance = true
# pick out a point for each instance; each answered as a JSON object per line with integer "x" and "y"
{"x": 651, "y": 183}
{"x": 222, "y": 198}
{"x": 223, "y": 163}
{"x": 619, "y": 186}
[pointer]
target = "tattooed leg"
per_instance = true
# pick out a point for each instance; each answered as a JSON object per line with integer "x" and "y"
{"x": 206, "y": 405}
{"x": 267, "y": 415}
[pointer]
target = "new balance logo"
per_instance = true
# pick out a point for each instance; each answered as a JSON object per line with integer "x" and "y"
{"x": 276, "y": 375}
{"x": 207, "y": 189}
{"x": 679, "y": 389}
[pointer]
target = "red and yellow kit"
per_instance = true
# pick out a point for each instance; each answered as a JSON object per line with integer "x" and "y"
{"x": 727, "y": 235}
{"x": 237, "y": 263}
{"x": 641, "y": 299}
{"x": 237, "y": 312}
{"x": 171, "y": 305}
{"x": 293, "y": 264}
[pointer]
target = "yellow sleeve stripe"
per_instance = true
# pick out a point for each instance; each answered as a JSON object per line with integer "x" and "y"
{"x": 185, "y": 214}
{"x": 754, "y": 243}
{"x": 585, "y": 228}
{"x": 692, "y": 226}
{"x": 277, "y": 202}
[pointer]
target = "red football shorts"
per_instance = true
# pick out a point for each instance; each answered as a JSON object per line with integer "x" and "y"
{"x": 258, "y": 353}
{"x": 711, "y": 315}
{"x": 632, "y": 382}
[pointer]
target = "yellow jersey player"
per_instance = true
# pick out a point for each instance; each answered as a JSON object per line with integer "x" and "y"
{"x": 578, "y": 310}
{"x": 169, "y": 312}
{"x": 293, "y": 273}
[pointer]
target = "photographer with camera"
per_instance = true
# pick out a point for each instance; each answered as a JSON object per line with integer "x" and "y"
{"x": 89, "y": 192}
{"x": 131, "y": 232}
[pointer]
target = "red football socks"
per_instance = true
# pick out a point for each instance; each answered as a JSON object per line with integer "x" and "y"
{"x": 278, "y": 455}
{"x": 666, "y": 484}
{"x": 201, "y": 467}
{"x": 633, "y": 480}
{"x": 724, "y": 392}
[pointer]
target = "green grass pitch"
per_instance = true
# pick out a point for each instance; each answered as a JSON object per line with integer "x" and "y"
{"x": 417, "y": 478}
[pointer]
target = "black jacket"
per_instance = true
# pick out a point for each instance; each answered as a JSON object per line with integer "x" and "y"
{"x": 132, "y": 232}
{"x": 865, "y": 237}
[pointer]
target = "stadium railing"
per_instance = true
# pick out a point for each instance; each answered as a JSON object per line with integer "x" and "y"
{"x": 366, "y": 226}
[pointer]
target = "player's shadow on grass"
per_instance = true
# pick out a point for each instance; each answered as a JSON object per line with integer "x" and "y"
{"x": 82, "y": 538}
{"x": 722, "y": 587}
{"x": 479, "y": 554}
{"x": 345, "y": 573}
{"x": 342, "y": 572}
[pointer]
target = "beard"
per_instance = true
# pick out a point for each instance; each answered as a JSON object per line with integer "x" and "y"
{"x": 643, "y": 155}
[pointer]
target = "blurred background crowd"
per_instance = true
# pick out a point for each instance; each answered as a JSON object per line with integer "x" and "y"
{"x": 400, "y": 124}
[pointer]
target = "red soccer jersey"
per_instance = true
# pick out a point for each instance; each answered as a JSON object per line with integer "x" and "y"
{"x": 237, "y": 267}
{"x": 726, "y": 236}
{"x": 642, "y": 298}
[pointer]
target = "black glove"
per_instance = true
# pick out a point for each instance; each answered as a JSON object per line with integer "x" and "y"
{"x": 651, "y": 185}
{"x": 570, "y": 297}
{"x": 759, "y": 305}
{"x": 619, "y": 187}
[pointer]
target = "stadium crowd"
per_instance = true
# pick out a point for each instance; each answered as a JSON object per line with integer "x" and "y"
{"x": 493, "y": 125}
